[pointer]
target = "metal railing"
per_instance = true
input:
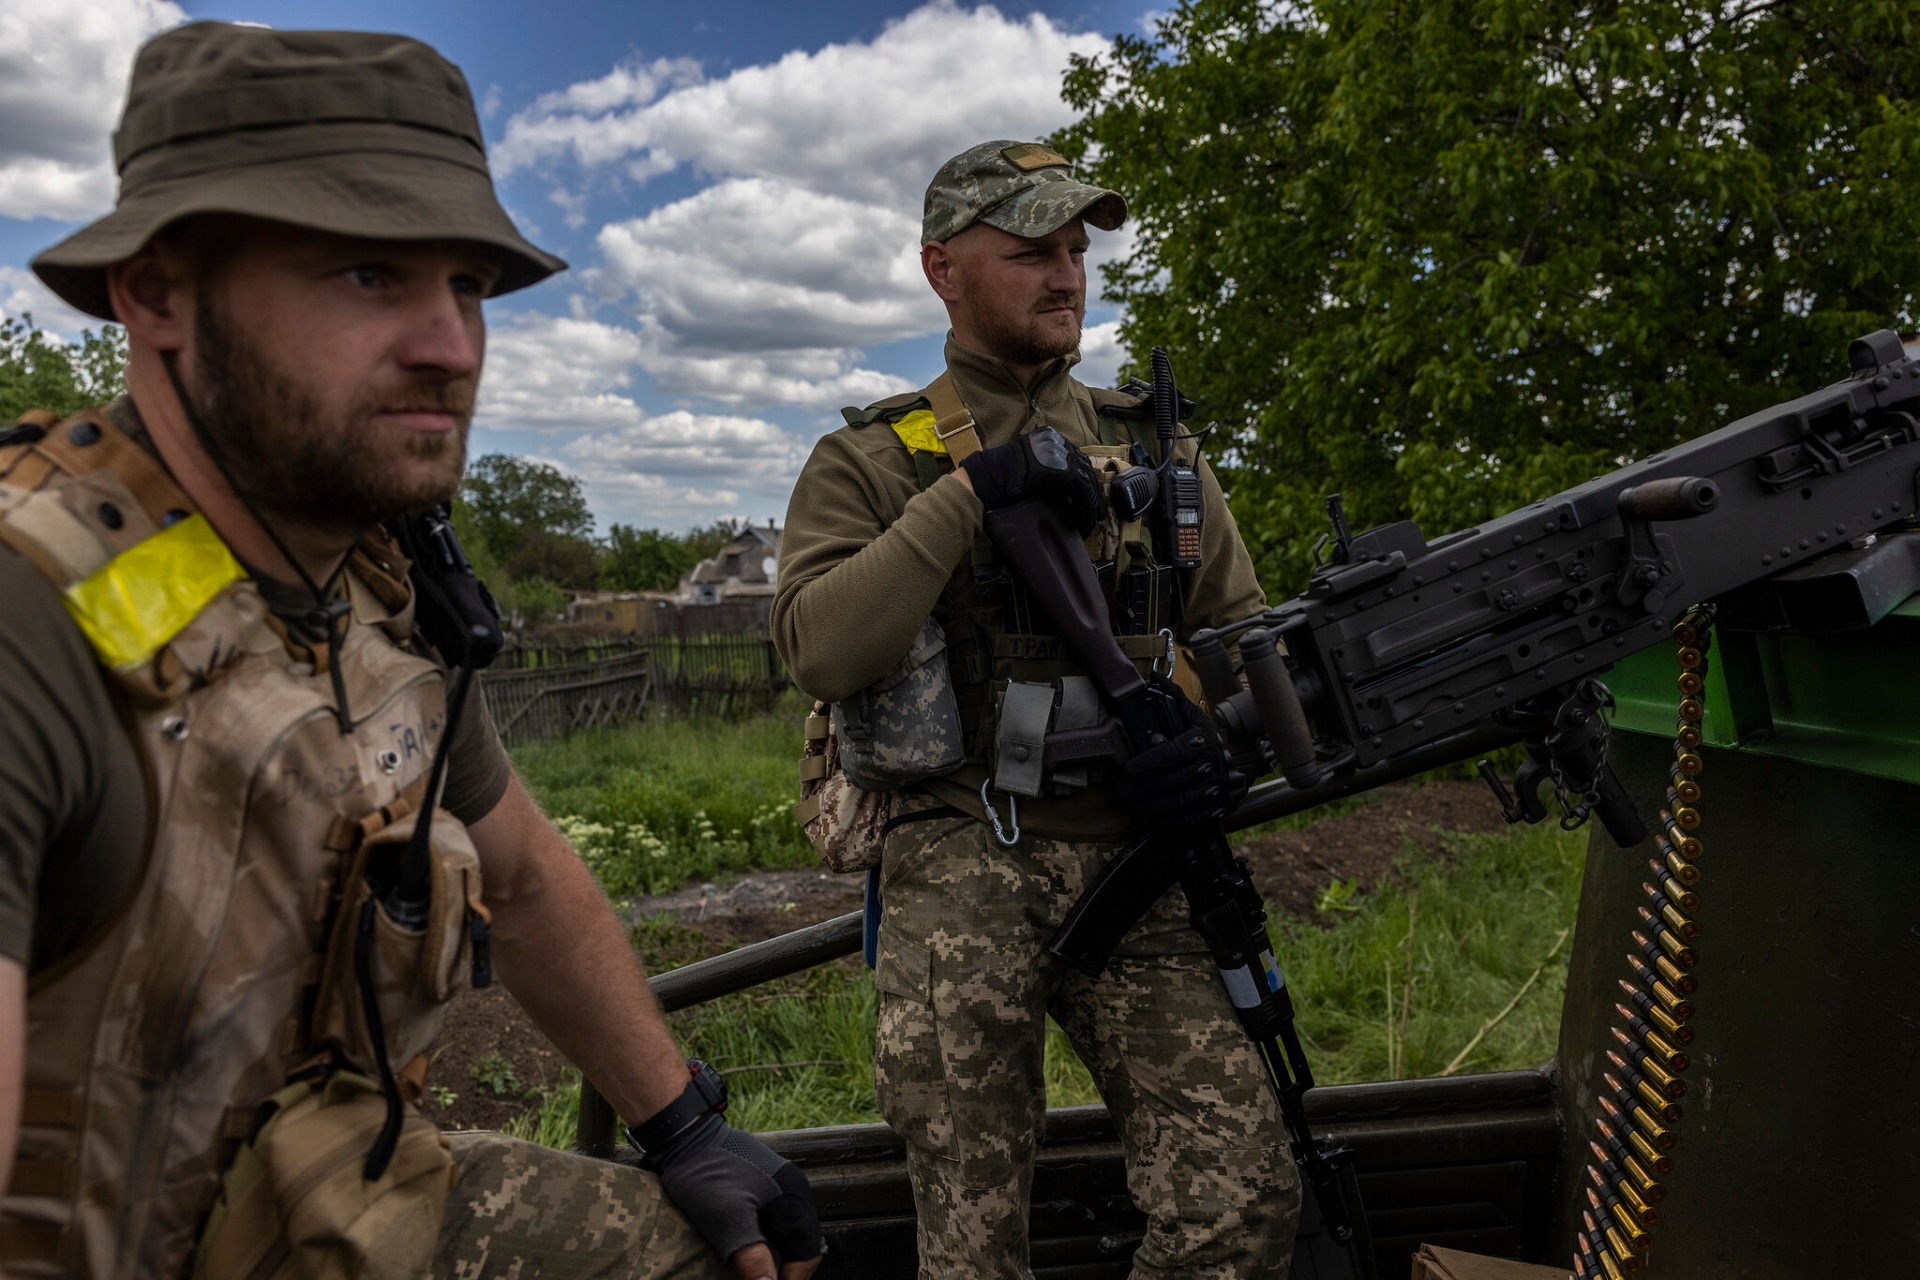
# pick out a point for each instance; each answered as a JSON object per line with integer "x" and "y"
{"x": 749, "y": 966}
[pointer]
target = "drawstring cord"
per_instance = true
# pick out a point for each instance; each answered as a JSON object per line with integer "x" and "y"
{"x": 327, "y": 614}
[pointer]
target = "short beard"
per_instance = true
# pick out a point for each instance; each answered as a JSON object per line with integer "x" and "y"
{"x": 292, "y": 461}
{"x": 1020, "y": 340}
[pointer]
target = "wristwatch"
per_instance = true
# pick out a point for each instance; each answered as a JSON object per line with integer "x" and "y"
{"x": 705, "y": 1092}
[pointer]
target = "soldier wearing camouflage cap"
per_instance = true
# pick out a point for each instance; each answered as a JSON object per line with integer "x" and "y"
{"x": 256, "y": 824}
{"x": 985, "y": 852}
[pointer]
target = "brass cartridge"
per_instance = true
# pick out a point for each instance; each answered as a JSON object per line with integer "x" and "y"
{"x": 1680, "y": 951}
{"x": 1667, "y": 969}
{"x": 1650, "y": 1189}
{"x": 1663, "y": 1138}
{"x": 1686, "y": 819}
{"x": 1676, "y": 1030}
{"x": 1691, "y": 709}
{"x": 1618, "y": 1205}
{"x": 1637, "y": 1239}
{"x": 1685, "y": 789}
{"x": 1686, "y": 872}
{"x": 1613, "y": 1269}
{"x": 1643, "y": 1092}
{"x": 1691, "y": 683}
{"x": 1683, "y": 925}
{"x": 1649, "y": 1152}
{"x": 1657, "y": 1044}
{"x": 1688, "y": 736}
{"x": 1689, "y": 656}
{"x": 1690, "y": 763}
{"x": 1622, "y": 1255}
{"x": 1680, "y": 1006}
{"x": 1678, "y": 894}
{"x": 1630, "y": 1196}
{"x": 1662, "y": 1079}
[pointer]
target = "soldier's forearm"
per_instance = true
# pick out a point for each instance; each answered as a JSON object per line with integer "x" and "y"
{"x": 847, "y": 625}
{"x": 567, "y": 960}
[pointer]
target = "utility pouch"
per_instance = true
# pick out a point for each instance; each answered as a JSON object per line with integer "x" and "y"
{"x": 295, "y": 1206}
{"x": 846, "y": 825}
{"x": 412, "y": 964}
{"x": 905, "y": 726}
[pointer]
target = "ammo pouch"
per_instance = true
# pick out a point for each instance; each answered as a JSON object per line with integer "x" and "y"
{"x": 413, "y": 968}
{"x": 905, "y": 726}
{"x": 846, "y": 826}
{"x": 1049, "y": 734}
{"x": 295, "y": 1206}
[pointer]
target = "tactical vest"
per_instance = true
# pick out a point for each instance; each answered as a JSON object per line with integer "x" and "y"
{"x": 222, "y": 971}
{"x": 1014, "y": 681}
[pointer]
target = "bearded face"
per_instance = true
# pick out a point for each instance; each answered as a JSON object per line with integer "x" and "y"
{"x": 314, "y": 450}
{"x": 1018, "y": 298}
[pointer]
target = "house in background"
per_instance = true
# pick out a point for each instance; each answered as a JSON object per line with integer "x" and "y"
{"x": 730, "y": 591}
{"x": 618, "y": 610}
{"x": 741, "y": 570}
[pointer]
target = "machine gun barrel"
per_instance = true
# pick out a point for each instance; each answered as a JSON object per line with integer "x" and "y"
{"x": 1399, "y": 642}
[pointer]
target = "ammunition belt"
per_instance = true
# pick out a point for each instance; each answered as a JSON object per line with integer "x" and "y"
{"x": 1639, "y": 1097}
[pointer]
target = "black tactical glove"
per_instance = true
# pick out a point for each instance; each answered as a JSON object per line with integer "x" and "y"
{"x": 1188, "y": 778}
{"x": 1041, "y": 464}
{"x": 737, "y": 1191}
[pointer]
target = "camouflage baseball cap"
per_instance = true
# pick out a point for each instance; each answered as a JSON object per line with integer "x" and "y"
{"x": 1020, "y": 187}
{"x": 344, "y": 131}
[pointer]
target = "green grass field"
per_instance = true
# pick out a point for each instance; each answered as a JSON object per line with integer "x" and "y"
{"x": 675, "y": 801}
{"x": 1460, "y": 967}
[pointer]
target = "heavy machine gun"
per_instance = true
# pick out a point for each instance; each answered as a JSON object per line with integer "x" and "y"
{"x": 1403, "y": 654}
{"x": 1401, "y": 646}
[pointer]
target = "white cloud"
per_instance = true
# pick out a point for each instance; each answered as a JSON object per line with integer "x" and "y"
{"x": 717, "y": 449}
{"x": 22, "y": 294}
{"x": 763, "y": 287}
{"x": 751, "y": 263}
{"x": 573, "y": 376}
{"x": 557, "y": 372}
{"x": 1100, "y": 355}
{"x": 63, "y": 68}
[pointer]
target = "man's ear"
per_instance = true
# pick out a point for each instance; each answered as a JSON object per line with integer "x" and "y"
{"x": 152, "y": 296}
{"x": 938, "y": 262}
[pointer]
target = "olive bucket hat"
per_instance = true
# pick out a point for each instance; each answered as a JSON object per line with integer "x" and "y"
{"x": 1023, "y": 188}
{"x": 350, "y": 132}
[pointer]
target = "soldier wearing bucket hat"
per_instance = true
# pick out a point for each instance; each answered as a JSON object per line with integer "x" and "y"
{"x": 988, "y": 843}
{"x": 256, "y": 824}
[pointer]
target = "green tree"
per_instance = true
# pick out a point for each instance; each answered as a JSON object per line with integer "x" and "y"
{"x": 39, "y": 371}
{"x": 1450, "y": 256}
{"x": 532, "y": 518}
{"x": 644, "y": 559}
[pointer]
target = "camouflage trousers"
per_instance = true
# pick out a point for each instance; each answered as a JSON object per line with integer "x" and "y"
{"x": 966, "y": 986}
{"x": 525, "y": 1211}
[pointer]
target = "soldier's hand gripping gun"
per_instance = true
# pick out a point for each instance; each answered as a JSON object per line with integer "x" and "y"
{"x": 1401, "y": 647}
{"x": 1036, "y": 544}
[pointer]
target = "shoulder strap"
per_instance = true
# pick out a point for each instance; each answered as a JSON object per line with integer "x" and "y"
{"x": 131, "y": 556}
{"x": 953, "y": 424}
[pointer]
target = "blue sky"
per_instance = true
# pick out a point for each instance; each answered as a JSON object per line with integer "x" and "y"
{"x": 737, "y": 184}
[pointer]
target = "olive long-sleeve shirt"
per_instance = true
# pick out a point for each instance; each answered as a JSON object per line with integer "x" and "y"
{"x": 866, "y": 555}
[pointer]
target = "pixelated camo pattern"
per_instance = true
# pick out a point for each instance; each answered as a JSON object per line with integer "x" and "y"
{"x": 905, "y": 727}
{"x": 966, "y": 987}
{"x": 1018, "y": 187}
{"x": 519, "y": 1211}
{"x": 845, "y": 825}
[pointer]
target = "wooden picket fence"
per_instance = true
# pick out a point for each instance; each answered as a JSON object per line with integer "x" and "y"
{"x": 549, "y": 691}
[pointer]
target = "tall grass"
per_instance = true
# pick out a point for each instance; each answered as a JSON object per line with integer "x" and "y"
{"x": 669, "y": 802}
{"x": 1457, "y": 962}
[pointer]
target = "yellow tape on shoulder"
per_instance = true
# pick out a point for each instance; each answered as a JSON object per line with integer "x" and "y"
{"x": 145, "y": 596}
{"x": 916, "y": 431}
